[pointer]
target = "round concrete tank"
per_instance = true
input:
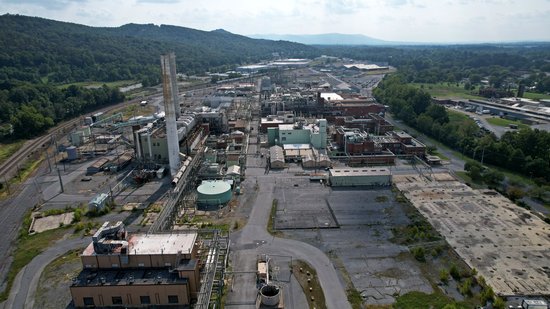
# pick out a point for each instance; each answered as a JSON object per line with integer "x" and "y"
{"x": 71, "y": 153}
{"x": 213, "y": 192}
{"x": 270, "y": 295}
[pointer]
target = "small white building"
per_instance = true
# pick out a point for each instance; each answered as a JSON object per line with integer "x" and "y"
{"x": 98, "y": 202}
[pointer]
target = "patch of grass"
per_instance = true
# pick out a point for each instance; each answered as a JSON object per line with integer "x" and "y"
{"x": 55, "y": 279}
{"x": 501, "y": 122}
{"x": 270, "y": 223}
{"x": 458, "y": 117}
{"x": 536, "y": 96}
{"x": 28, "y": 247}
{"x": 440, "y": 155}
{"x": 115, "y": 84}
{"x": 355, "y": 299}
{"x": 24, "y": 172}
{"x": 7, "y": 150}
{"x": 467, "y": 179}
{"x": 381, "y": 199}
{"x": 419, "y": 300}
{"x": 447, "y": 90}
{"x": 135, "y": 110}
{"x": 307, "y": 272}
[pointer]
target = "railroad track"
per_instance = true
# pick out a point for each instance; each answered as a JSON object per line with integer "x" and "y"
{"x": 8, "y": 168}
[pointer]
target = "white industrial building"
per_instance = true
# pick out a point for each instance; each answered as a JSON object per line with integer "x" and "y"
{"x": 353, "y": 177}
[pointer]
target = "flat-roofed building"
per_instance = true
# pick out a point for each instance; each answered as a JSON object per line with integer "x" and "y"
{"x": 352, "y": 177}
{"x": 140, "y": 270}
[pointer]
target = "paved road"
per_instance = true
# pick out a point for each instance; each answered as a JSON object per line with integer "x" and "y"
{"x": 26, "y": 282}
{"x": 12, "y": 212}
{"x": 254, "y": 240}
{"x": 255, "y": 232}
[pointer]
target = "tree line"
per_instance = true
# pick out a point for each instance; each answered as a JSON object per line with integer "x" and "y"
{"x": 526, "y": 151}
{"x": 30, "y": 109}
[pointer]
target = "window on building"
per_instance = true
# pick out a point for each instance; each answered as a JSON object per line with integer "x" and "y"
{"x": 283, "y": 138}
{"x": 88, "y": 301}
{"x": 173, "y": 299}
{"x": 145, "y": 300}
{"x": 117, "y": 300}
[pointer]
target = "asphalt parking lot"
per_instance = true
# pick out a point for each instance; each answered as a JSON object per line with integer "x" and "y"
{"x": 354, "y": 228}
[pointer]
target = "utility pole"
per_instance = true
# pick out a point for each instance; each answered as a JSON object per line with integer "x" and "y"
{"x": 49, "y": 164}
{"x": 60, "y": 180}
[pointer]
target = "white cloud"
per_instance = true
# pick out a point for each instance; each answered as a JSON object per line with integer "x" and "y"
{"x": 398, "y": 20}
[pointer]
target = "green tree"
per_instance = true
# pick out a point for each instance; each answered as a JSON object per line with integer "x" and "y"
{"x": 499, "y": 303}
{"x": 28, "y": 122}
{"x": 493, "y": 177}
{"x": 438, "y": 113}
{"x": 514, "y": 193}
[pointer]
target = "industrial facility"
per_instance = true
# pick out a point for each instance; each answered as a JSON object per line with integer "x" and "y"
{"x": 138, "y": 270}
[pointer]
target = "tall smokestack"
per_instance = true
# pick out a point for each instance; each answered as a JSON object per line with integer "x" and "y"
{"x": 170, "y": 92}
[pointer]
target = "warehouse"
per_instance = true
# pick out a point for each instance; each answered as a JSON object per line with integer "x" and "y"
{"x": 352, "y": 177}
{"x": 276, "y": 157}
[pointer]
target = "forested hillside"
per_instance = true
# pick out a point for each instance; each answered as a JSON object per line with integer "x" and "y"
{"x": 39, "y": 54}
{"x": 36, "y": 48}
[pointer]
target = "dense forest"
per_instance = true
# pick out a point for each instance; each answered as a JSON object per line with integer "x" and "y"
{"x": 36, "y": 49}
{"x": 38, "y": 55}
{"x": 526, "y": 151}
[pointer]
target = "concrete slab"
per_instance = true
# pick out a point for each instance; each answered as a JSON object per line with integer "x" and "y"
{"x": 508, "y": 245}
{"x": 51, "y": 222}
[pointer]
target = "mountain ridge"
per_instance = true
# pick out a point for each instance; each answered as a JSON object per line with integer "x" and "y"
{"x": 327, "y": 39}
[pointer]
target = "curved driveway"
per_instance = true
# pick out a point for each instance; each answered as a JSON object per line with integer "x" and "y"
{"x": 255, "y": 231}
{"x": 26, "y": 282}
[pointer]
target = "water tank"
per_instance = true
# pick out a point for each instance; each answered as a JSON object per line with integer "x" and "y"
{"x": 72, "y": 153}
{"x": 213, "y": 192}
{"x": 270, "y": 295}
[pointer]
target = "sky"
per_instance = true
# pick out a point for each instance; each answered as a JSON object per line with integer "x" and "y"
{"x": 392, "y": 20}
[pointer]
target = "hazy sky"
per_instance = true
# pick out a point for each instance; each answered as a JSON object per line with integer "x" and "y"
{"x": 395, "y": 20}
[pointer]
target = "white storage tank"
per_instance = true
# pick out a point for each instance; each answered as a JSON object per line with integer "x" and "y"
{"x": 214, "y": 192}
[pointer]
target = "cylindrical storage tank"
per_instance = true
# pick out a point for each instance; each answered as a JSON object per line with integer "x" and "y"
{"x": 269, "y": 295}
{"x": 72, "y": 153}
{"x": 213, "y": 192}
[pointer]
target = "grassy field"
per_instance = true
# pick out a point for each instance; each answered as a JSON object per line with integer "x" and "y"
{"x": 52, "y": 291}
{"x": 536, "y": 96}
{"x": 501, "y": 122}
{"x": 115, "y": 84}
{"x": 467, "y": 179}
{"x": 447, "y": 91}
{"x": 458, "y": 117}
{"x": 26, "y": 170}
{"x": 6, "y": 150}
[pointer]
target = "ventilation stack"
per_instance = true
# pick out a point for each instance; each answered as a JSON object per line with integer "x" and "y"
{"x": 171, "y": 108}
